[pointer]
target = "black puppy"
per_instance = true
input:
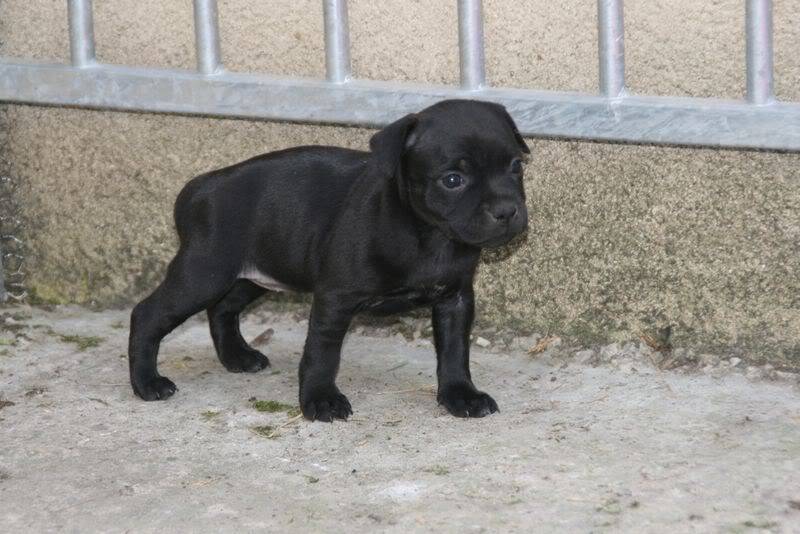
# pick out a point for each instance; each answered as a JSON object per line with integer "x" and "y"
{"x": 382, "y": 231}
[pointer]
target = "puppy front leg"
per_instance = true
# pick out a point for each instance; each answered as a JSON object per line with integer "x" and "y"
{"x": 452, "y": 324}
{"x": 320, "y": 399}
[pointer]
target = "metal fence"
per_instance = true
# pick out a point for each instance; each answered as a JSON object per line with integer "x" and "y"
{"x": 613, "y": 114}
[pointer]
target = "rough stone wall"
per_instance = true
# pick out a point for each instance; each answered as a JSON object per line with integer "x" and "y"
{"x": 623, "y": 239}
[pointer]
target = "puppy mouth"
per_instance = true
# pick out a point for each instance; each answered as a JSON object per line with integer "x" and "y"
{"x": 495, "y": 240}
{"x": 479, "y": 234}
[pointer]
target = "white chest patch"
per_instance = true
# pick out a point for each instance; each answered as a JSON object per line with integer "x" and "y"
{"x": 263, "y": 280}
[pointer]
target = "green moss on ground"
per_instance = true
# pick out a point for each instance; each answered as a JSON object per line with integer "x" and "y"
{"x": 82, "y": 342}
{"x": 271, "y": 406}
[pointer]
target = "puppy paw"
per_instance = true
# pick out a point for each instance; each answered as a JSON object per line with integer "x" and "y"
{"x": 155, "y": 388}
{"x": 245, "y": 361}
{"x": 463, "y": 400}
{"x": 325, "y": 405}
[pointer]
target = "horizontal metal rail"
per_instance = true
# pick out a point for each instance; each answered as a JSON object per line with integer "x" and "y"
{"x": 670, "y": 120}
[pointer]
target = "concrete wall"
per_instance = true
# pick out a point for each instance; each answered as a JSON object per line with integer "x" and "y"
{"x": 623, "y": 238}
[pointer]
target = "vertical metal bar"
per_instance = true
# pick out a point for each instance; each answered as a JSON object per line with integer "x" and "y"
{"x": 758, "y": 20}
{"x": 81, "y": 33}
{"x": 337, "y": 41}
{"x": 611, "y": 46}
{"x": 206, "y": 36}
{"x": 470, "y": 44}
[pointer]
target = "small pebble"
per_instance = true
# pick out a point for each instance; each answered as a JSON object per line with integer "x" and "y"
{"x": 707, "y": 359}
{"x": 482, "y": 342}
{"x": 753, "y": 372}
{"x": 525, "y": 342}
{"x": 584, "y": 356}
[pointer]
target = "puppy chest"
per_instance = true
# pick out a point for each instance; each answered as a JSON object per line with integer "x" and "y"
{"x": 404, "y": 299}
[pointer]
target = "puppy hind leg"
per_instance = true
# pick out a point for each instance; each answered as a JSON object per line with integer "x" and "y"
{"x": 193, "y": 282}
{"x": 223, "y": 319}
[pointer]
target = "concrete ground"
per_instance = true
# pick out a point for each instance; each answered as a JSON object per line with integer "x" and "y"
{"x": 596, "y": 439}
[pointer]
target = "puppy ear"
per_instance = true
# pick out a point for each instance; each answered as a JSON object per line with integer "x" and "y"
{"x": 520, "y": 141}
{"x": 389, "y": 144}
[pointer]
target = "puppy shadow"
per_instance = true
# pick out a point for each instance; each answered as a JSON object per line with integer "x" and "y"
{"x": 500, "y": 254}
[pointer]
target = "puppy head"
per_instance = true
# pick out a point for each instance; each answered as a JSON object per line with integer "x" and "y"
{"x": 459, "y": 165}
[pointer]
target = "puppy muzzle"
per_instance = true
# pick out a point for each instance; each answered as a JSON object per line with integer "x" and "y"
{"x": 501, "y": 223}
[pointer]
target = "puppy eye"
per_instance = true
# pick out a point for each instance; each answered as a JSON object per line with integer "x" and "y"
{"x": 516, "y": 166}
{"x": 451, "y": 181}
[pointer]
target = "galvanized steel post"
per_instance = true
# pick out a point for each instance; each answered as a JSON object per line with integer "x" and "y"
{"x": 337, "y": 41}
{"x": 206, "y": 34}
{"x": 470, "y": 44}
{"x": 81, "y": 33}
{"x": 759, "y": 52}
{"x": 611, "y": 46}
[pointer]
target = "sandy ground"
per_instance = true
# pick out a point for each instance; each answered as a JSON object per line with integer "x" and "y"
{"x": 611, "y": 444}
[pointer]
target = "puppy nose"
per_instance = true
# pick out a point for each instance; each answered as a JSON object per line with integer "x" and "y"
{"x": 503, "y": 212}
